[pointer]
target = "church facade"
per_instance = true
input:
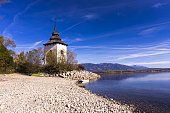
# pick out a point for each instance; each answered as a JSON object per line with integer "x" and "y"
{"x": 55, "y": 45}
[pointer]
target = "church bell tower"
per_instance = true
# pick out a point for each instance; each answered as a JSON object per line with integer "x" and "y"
{"x": 56, "y": 45}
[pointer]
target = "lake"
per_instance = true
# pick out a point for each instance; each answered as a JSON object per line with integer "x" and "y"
{"x": 150, "y": 93}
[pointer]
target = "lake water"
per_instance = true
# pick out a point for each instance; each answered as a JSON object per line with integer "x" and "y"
{"x": 150, "y": 93}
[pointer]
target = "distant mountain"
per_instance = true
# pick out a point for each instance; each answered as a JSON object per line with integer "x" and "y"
{"x": 109, "y": 66}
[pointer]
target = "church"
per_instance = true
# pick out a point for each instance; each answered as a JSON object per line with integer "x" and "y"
{"x": 55, "y": 45}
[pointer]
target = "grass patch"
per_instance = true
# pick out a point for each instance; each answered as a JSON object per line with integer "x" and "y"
{"x": 37, "y": 74}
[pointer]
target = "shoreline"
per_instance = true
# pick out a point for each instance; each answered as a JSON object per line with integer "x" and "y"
{"x": 128, "y": 73}
{"x": 52, "y": 94}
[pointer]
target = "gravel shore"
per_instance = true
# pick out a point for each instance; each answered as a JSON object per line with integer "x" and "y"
{"x": 28, "y": 94}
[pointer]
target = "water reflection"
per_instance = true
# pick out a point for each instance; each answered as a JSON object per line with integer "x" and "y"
{"x": 122, "y": 76}
{"x": 143, "y": 90}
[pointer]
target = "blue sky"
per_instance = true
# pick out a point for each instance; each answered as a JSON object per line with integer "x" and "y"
{"x": 98, "y": 31}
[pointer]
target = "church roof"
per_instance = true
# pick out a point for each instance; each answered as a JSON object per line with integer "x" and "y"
{"x": 55, "y": 38}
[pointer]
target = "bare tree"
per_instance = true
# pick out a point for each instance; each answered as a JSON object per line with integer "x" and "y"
{"x": 9, "y": 42}
{"x": 71, "y": 57}
{"x": 35, "y": 56}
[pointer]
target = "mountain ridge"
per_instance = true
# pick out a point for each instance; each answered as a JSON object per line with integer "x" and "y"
{"x": 110, "y": 66}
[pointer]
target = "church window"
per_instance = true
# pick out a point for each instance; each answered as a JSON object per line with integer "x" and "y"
{"x": 62, "y": 52}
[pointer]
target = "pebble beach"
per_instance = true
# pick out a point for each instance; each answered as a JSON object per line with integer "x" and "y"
{"x": 29, "y": 94}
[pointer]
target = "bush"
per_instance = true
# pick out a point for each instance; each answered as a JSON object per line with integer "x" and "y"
{"x": 30, "y": 62}
{"x": 53, "y": 67}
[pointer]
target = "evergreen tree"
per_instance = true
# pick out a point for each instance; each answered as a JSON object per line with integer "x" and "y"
{"x": 6, "y": 59}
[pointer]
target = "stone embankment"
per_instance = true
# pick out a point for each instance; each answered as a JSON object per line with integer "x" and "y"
{"x": 79, "y": 75}
{"x": 29, "y": 94}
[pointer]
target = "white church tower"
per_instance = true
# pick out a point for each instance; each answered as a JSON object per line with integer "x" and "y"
{"x": 55, "y": 45}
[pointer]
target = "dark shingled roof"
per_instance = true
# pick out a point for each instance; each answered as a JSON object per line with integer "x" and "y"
{"x": 55, "y": 39}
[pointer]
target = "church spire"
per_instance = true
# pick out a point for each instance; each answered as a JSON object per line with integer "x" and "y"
{"x": 55, "y": 30}
{"x": 55, "y": 38}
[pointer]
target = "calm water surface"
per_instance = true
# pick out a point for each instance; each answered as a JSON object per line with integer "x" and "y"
{"x": 148, "y": 92}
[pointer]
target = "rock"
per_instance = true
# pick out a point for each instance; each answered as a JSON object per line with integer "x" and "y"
{"x": 80, "y": 75}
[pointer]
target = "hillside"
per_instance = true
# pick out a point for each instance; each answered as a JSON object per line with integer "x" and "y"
{"x": 110, "y": 66}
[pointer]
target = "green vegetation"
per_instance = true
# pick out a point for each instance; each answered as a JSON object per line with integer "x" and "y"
{"x": 37, "y": 74}
{"x": 30, "y": 63}
{"x": 62, "y": 65}
{"x": 6, "y": 59}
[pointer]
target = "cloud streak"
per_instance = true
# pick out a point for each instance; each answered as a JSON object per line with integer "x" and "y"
{"x": 72, "y": 26}
{"x": 119, "y": 53}
{"x": 159, "y": 49}
{"x": 29, "y": 46}
{"x": 16, "y": 17}
{"x": 150, "y": 63}
{"x": 37, "y": 43}
{"x": 90, "y": 16}
{"x": 158, "y": 5}
{"x": 144, "y": 30}
{"x": 163, "y": 46}
{"x": 137, "y": 55}
{"x": 149, "y": 31}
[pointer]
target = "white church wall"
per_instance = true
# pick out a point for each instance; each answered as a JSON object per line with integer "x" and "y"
{"x": 57, "y": 48}
{"x": 61, "y": 47}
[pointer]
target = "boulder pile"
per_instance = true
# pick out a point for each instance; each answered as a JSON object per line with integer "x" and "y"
{"x": 79, "y": 75}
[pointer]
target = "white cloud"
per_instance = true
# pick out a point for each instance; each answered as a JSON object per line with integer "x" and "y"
{"x": 29, "y": 46}
{"x": 86, "y": 47}
{"x": 154, "y": 50}
{"x": 163, "y": 46}
{"x": 90, "y": 16}
{"x": 72, "y": 26}
{"x": 137, "y": 55}
{"x": 157, "y": 5}
{"x": 150, "y": 63}
{"x": 149, "y": 31}
{"x": 36, "y": 44}
{"x": 78, "y": 39}
{"x": 119, "y": 53}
